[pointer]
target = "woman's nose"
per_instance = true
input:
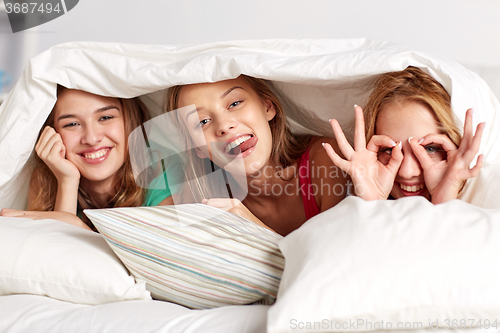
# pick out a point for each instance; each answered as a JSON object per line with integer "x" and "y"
{"x": 92, "y": 135}
{"x": 410, "y": 167}
{"x": 225, "y": 125}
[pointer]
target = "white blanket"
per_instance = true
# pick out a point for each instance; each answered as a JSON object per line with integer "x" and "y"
{"x": 318, "y": 79}
{"x": 29, "y": 314}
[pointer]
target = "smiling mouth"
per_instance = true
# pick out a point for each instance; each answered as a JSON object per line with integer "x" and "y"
{"x": 96, "y": 154}
{"x": 414, "y": 188}
{"x": 235, "y": 147}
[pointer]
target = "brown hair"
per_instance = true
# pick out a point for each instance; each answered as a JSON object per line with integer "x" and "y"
{"x": 127, "y": 194}
{"x": 411, "y": 84}
{"x": 286, "y": 147}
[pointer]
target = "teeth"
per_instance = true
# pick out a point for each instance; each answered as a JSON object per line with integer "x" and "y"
{"x": 236, "y": 143}
{"x": 413, "y": 188}
{"x": 96, "y": 154}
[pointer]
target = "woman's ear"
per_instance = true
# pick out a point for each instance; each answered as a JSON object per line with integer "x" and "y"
{"x": 270, "y": 110}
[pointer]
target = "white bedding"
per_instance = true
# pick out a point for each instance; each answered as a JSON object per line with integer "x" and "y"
{"x": 391, "y": 262}
{"x": 37, "y": 314}
{"x": 318, "y": 80}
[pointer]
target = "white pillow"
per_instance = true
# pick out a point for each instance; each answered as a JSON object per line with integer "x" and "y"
{"x": 194, "y": 255}
{"x": 389, "y": 264}
{"x": 52, "y": 258}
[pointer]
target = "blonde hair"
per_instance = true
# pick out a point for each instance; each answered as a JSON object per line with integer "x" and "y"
{"x": 127, "y": 194}
{"x": 286, "y": 147}
{"x": 411, "y": 84}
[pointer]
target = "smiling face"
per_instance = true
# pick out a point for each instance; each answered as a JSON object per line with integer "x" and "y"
{"x": 401, "y": 120}
{"x": 92, "y": 129}
{"x": 228, "y": 122}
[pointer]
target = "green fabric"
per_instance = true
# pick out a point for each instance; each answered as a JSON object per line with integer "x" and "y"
{"x": 158, "y": 191}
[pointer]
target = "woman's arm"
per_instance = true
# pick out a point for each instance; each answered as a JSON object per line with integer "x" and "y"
{"x": 67, "y": 197}
{"x": 66, "y": 217}
{"x": 51, "y": 150}
{"x": 35, "y": 215}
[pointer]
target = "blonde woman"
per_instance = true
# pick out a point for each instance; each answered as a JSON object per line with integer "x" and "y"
{"x": 414, "y": 145}
{"x": 281, "y": 179}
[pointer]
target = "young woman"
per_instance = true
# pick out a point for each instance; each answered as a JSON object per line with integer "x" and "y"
{"x": 414, "y": 145}
{"x": 83, "y": 159}
{"x": 281, "y": 179}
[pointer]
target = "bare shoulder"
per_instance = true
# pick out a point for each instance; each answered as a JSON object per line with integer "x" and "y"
{"x": 328, "y": 178}
{"x": 318, "y": 154}
{"x": 167, "y": 201}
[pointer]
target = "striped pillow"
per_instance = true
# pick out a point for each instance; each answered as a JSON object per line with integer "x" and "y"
{"x": 194, "y": 255}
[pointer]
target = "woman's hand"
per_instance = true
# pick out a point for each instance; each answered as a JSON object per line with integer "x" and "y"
{"x": 372, "y": 179}
{"x": 50, "y": 148}
{"x": 36, "y": 215}
{"x": 234, "y": 206}
{"x": 444, "y": 177}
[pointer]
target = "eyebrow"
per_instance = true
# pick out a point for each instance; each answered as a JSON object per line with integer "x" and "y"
{"x": 224, "y": 94}
{"x": 193, "y": 111}
{"x": 106, "y": 108}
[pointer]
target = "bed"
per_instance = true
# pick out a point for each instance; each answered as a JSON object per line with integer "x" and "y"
{"x": 358, "y": 266}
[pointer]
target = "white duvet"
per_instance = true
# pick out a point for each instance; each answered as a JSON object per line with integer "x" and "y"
{"x": 317, "y": 80}
{"x": 39, "y": 314}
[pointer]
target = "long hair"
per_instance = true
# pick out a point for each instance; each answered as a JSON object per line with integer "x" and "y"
{"x": 411, "y": 84}
{"x": 127, "y": 192}
{"x": 286, "y": 147}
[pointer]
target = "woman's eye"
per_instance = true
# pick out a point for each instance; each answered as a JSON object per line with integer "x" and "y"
{"x": 432, "y": 149}
{"x": 232, "y": 105}
{"x": 70, "y": 125}
{"x": 387, "y": 150}
{"x": 203, "y": 122}
{"x": 106, "y": 117}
